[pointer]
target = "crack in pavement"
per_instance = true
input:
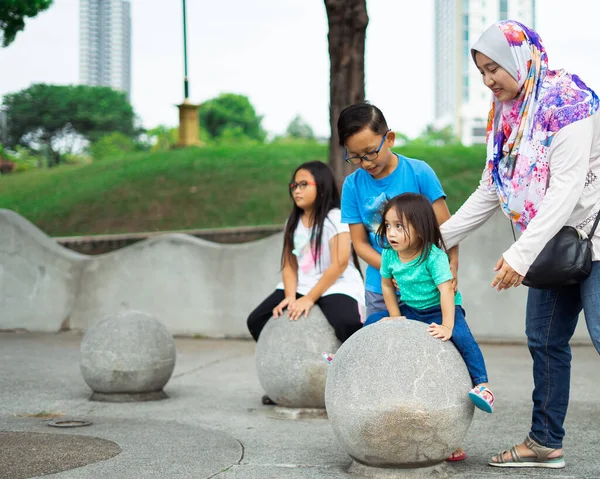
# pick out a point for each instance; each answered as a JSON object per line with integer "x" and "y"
{"x": 199, "y": 368}
{"x": 225, "y": 469}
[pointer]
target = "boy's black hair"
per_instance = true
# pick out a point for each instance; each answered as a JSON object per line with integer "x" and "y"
{"x": 357, "y": 117}
{"x": 416, "y": 210}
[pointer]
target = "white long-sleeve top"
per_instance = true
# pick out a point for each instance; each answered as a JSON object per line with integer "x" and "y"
{"x": 572, "y": 197}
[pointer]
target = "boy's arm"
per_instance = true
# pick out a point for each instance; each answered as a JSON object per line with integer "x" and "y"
{"x": 362, "y": 245}
{"x": 389, "y": 296}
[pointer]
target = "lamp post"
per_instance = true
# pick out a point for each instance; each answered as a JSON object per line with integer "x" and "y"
{"x": 188, "y": 112}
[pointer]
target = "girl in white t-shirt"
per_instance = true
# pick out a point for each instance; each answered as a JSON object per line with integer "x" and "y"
{"x": 318, "y": 265}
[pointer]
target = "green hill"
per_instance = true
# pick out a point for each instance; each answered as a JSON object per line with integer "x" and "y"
{"x": 207, "y": 187}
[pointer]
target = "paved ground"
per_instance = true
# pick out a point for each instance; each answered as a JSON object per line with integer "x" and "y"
{"x": 213, "y": 425}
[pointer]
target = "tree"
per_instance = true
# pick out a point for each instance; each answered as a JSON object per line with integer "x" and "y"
{"x": 13, "y": 14}
{"x": 298, "y": 128}
{"x": 348, "y": 22}
{"x": 231, "y": 115}
{"x": 49, "y": 114}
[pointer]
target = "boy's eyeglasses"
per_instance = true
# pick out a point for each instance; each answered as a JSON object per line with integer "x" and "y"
{"x": 372, "y": 156}
{"x": 301, "y": 185}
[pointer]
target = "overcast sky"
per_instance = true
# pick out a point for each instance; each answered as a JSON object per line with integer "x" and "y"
{"x": 275, "y": 52}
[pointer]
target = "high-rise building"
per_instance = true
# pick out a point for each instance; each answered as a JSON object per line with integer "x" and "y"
{"x": 105, "y": 43}
{"x": 462, "y": 101}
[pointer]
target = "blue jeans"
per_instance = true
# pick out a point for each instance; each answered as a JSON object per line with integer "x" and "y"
{"x": 551, "y": 319}
{"x": 461, "y": 336}
{"x": 376, "y": 308}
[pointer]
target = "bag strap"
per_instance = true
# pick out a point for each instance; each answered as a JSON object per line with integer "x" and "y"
{"x": 595, "y": 224}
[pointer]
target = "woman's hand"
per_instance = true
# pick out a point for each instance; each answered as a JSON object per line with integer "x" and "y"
{"x": 440, "y": 331}
{"x": 506, "y": 276}
{"x": 299, "y": 307}
{"x": 287, "y": 302}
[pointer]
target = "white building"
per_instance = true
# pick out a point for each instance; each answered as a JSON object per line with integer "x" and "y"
{"x": 105, "y": 43}
{"x": 461, "y": 99}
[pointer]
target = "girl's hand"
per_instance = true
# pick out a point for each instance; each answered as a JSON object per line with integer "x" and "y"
{"x": 506, "y": 276}
{"x": 299, "y": 307}
{"x": 287, "y": 302}
{"x": 388, "y": 318}
{"x": 440, "y": 331}
{"x": 395, "y": 284}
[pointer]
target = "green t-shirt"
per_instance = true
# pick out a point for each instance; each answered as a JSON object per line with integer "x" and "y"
{"x": 418, "y": 282}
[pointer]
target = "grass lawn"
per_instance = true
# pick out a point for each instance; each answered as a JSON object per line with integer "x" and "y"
{"x": 208, "y": 187}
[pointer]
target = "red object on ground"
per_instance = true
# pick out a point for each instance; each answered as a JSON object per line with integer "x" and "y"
{"x": 462, "y": 457}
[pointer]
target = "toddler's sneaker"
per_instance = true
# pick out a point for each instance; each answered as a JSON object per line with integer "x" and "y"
{"x": 483, "y": 398}
{"x": 327, "y": 357}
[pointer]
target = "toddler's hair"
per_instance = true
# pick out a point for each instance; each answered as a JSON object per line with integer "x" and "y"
{"x": 417, "y": 211}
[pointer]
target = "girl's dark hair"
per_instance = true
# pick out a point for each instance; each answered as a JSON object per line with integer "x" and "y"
{"x": 328, "y": 197}
{"x": 417, "y": 211}
{"x": 359, "y": 116}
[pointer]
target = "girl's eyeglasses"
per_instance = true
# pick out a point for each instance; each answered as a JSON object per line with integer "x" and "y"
{"x": 301, "y": 185}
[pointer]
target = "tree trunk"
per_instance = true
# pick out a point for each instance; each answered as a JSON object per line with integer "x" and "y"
{"x": 348, "y": 22}
{"x": 52, "y": 157}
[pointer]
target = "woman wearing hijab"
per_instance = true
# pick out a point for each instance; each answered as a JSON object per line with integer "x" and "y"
{"x": 543, "y": 170}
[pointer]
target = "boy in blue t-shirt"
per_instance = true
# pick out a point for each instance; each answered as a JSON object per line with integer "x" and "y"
{"x": 383, "y": 174}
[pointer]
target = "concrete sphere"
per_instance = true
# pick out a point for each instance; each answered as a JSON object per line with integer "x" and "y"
{"x": 127, "y": 353}
{"x": 398, "y": 398}
{"x": 289, "y": 360}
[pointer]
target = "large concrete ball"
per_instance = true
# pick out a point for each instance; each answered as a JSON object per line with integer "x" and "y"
{"x": 127, "y": 353}
{"x": 289, "y": 360}
{"x": 398, "y": 398}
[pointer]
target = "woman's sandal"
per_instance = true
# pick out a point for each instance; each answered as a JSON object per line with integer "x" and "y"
{"x": 267, "y": 401}
{"x": 541, "y": 459}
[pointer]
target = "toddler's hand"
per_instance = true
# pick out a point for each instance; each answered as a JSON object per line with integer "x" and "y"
{"x": 440, "y": 331}
{"x": 387, "y": 318}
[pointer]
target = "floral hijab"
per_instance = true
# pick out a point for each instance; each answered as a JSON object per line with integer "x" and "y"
{"x": 520, "y": 132}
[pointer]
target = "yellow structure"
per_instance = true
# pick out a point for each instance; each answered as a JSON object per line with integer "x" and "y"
{"x": 188, "y": 124}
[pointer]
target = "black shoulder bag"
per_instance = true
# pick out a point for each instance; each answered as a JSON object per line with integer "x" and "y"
{"x": 566, "y": 259}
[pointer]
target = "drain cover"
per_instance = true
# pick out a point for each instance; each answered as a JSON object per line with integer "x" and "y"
{"x": 68, "y": 423}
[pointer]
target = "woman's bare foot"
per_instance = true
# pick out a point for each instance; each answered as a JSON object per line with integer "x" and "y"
{"x": 525, "y": 452}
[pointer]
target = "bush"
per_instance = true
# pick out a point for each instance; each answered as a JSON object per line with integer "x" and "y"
{"x": 24, "y": 159}
{"x": 233, "y": 116}
{"x": 113, "y": 144}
